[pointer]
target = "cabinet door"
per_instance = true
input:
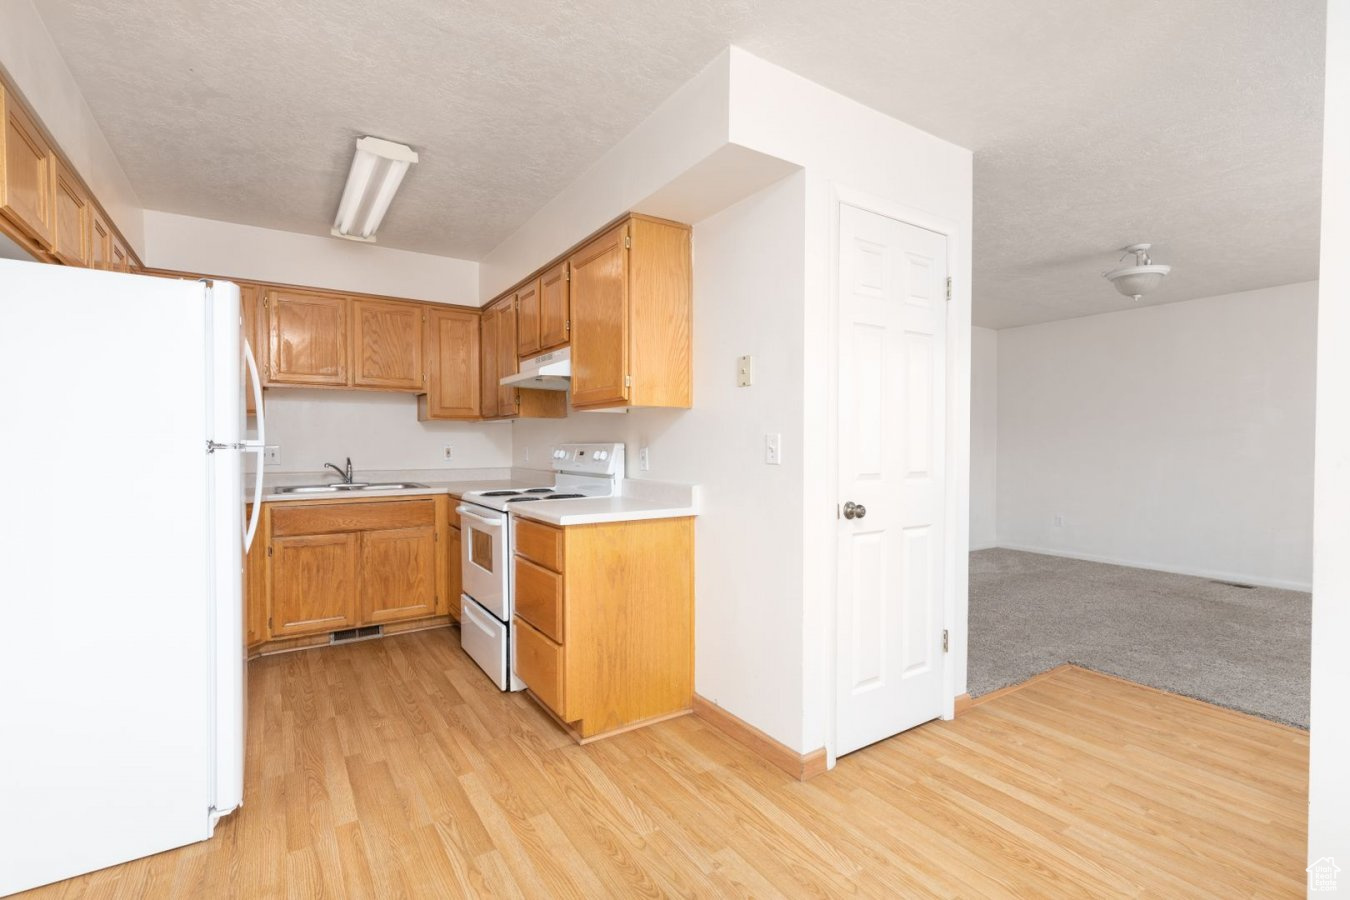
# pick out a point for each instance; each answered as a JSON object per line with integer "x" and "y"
{"x": 398, "y": 574}
{"x": 121, "y": 259}
{"x": 387, "y": 344}
{"x": 553, "y": 307}
{"x": 527, "y": 319}
{"x": 100, "y": 241}
{"x": 452, "y": 363}
{"x": 312, "y": 583}
{"x": 488, "y": 353}
{"x": 27, "y": 178}
{"x": 307, "y": 337}
{"x": 72, "y": 219}
{"x": 600, "y": 321}
{"x": 456, "y": 572}
{"x": 255, "y": 589}
{"x": 508, "y": 363}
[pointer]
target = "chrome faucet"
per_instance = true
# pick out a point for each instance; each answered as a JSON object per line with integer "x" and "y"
{"x": 345, "y": 476}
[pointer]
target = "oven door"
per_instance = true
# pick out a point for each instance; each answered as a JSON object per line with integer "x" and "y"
{"x": 485, "y": 559}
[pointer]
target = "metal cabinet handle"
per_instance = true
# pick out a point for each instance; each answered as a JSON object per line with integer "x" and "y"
{"x": 854, "y": 510}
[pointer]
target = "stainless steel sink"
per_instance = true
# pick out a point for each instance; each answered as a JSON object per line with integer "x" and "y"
{"x": 339, "y": 488}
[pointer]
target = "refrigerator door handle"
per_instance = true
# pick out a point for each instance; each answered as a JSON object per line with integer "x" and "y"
{"x": 256, "y": 446}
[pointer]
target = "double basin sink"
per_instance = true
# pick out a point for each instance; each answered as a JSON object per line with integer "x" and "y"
{"x": 342, "y": 487}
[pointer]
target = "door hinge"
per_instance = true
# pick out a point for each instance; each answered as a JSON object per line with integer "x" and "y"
{"x": 949, "y": 289}
{"x": 269, "y": 550}
{"x": 567, "y": 271}
{"x": 946, "y": 644}
{"x": 628, "y": 242}
{"x": 269, "y": 623}
{"x": 628, "y": 381}
{"x": 567, "y": 326}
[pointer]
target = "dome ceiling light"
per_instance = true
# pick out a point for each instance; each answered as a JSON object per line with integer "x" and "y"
{"x": 1136, "y": 280}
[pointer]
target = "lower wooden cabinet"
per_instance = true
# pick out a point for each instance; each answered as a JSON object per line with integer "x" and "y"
{"x": 456, "y": 566}
{"x": 604, "y": 625}
{"x": 322, "y": 566}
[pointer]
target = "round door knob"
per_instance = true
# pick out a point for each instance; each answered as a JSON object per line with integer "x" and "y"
{"x": 854, "y": 510}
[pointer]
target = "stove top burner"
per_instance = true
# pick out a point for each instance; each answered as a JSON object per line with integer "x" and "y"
{"x": 539, "y": 490}
{"x": 498, "y": 493}
{"x": 522, "y": 499}
{"x": 565, "y": 496}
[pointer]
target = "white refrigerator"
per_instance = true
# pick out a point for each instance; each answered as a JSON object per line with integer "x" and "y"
{"x": 121, "y": 502}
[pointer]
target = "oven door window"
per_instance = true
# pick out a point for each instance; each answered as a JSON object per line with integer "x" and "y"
{"x": 480, "y": 549}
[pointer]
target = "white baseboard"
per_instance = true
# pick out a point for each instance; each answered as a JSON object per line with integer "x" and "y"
{"x": 1240, "y": 577}
{"x": 984, "y": 546}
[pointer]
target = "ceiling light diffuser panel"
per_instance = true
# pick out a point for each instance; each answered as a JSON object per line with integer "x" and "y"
{"x": 377, "y": 171}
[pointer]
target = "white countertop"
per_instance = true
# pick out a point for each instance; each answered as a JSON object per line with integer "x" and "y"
{"x": 639, "y": 499}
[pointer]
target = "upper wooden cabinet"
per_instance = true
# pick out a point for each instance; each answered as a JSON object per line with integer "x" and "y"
{"x": 74, "y": 214}
{"x": 387, "y": 344}
{"x": 100, "y": 240}
{"x": 554, "y": 315}
{"x": 631, "y": 307}
{"x": 452, "y": 346}
{"x": 307, "y": 337}
{"x": 488, "y": 362}
{"x": 27, "y": 173}
{"x": 248, "y": 310}
{"x": 508, "y": 398}
{"x": 527, "y": 319}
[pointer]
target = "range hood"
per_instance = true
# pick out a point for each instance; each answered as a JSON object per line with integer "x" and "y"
{"x": 550, "y": 371}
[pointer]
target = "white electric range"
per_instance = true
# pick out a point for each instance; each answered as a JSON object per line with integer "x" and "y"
{"x": 486, "y": 548}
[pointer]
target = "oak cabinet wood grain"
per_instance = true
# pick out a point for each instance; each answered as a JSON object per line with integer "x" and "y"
{"x": 398, "y": 574}
{"x": 248, "y": 309}
{"x": 27, "y": 173}
{"x": 453, "y": 374}
{"x": 488, "y": 349}
{"x": 121, "y": 257}
{"x": 312, "y": 583}
{"x": 73, "y": 219}
{"x": 100, "y": 240}
{"x": 554, "y": 325}
{"x": 527, "y": 319}
{"x": 307, "y": 337}
{"x": 387, "y": 346}
{"x": 508, "y": 398}
{"x": 455, "y": 565}
{"x": 604, "y": 616}
{"x": 630, "y": 311}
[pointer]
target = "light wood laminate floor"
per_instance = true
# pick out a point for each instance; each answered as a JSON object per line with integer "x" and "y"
{"x": 392, "y": 768}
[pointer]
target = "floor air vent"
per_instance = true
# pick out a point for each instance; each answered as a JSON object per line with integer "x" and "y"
{"x": 347, "y": 635}
{"x": 1236, "y": 584}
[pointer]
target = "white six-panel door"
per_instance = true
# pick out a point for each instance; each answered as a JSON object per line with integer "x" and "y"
{"x": 892, "y": 424}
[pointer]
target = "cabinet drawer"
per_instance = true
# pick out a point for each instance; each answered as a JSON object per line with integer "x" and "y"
{"x": 542, "y": 544}
{"x": 352, "y": 517}
{"x": 539, "y": 598}
{"x": 539, "y": 663}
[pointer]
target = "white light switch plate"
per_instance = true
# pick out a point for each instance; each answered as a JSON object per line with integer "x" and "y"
{"x": 773, "y": 449}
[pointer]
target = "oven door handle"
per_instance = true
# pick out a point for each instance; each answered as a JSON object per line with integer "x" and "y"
{"x": 465, "y": 511}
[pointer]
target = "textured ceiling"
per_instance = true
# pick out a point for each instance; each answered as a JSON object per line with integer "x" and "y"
{"x": 1195, "y": 125}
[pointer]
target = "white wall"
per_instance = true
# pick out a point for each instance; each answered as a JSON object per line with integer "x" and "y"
{"x": 377, "y": 430}
{"x": 1329, "y": 779}
{"x": 40, "y": 72}
{"x": 983, "y": 438}
{"x": 1175, "y": 437}
{"x": 210, "y": 247}
{"x": 747, "y": 300}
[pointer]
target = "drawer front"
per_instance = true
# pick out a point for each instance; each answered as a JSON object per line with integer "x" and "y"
{"x": 539, "y": 598}
{"x": 539, "y": 663}
{"x": 338, "y": 517}
{"x": 541, "y": 544}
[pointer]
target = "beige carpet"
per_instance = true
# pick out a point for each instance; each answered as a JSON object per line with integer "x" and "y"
{"x": 1247, "y": 649}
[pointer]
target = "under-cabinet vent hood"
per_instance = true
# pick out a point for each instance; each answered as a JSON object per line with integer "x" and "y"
{"x": 550, "y": 371}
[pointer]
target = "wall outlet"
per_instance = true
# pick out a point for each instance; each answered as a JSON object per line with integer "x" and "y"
{"x": 644, "y": 459}
{"x": 773, "y": 449}
{"x": 272, "y": 455}
{"x": 449, "y": 451}
{"x": 527, "y": 454}
{"x": 1059, "y": 520}
{"x": 745, "y": 371}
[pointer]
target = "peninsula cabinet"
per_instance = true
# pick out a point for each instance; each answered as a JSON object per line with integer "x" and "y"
{"x": 604, "y": 621}
{"x": 27, "y": 173}
{"x": 451, "y": 352}
{"x": 630, "y": 312}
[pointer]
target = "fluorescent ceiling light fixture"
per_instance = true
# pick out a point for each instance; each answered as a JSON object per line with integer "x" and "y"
{"x": 377, "y": 171}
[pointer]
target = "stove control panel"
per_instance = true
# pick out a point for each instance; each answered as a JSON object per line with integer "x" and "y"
{"x": 589, "y": 459}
